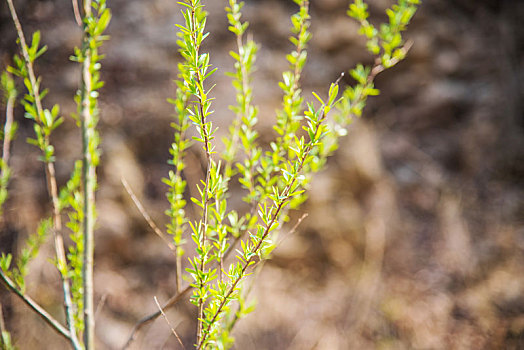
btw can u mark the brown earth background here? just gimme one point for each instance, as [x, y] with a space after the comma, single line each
[415, 235]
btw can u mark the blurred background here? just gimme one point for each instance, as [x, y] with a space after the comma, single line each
[414, 237]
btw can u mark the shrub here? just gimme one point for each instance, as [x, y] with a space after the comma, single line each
[229, 243]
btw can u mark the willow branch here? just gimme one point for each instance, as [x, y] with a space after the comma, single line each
[202, 230]
[51, 184]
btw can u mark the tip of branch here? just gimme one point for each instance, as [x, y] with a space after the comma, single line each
[339, 78]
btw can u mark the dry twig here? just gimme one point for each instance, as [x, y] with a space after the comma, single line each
[169, 323]
[141, 323]
[146, 216]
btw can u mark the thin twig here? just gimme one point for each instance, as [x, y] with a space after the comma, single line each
[145, 215]
[50, 320]
[25, 53]
[2, 324]
[299, 221]
[141, 323]
[8, 132]
[379, 68]
[168, 323]
[100, 305]
[8, 128]
[246, 104]
[76, 11]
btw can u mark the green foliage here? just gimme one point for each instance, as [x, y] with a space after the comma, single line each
[8, 87]
[45, 120]
[95, 21]
[5, 262]
[274, 178]
[211, 189]
[5, 174]
[87, 96]
[71, 201]
[28, 253]
[73, 196]
[177, 185]
[7, 344]
[241, 133]
[386, 41]
[32, 245]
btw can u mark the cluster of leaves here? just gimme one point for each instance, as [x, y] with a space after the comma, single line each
[211, 190]
[385, 41]
[177, 185]
[45, 120]
[29, 252]
[71, 201]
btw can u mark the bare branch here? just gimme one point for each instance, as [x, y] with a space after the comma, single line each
[76, 11]
[145, 215]
[169, 323]
[50, 320]
[141, 323]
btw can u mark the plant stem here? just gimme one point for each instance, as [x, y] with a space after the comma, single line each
[7, 128]
[297, 70]
[146, 216]
[169, 323]
[202, 231]
[76, 11]
[88, 179]
[51, 185]
[50, 320]
[178, 256]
